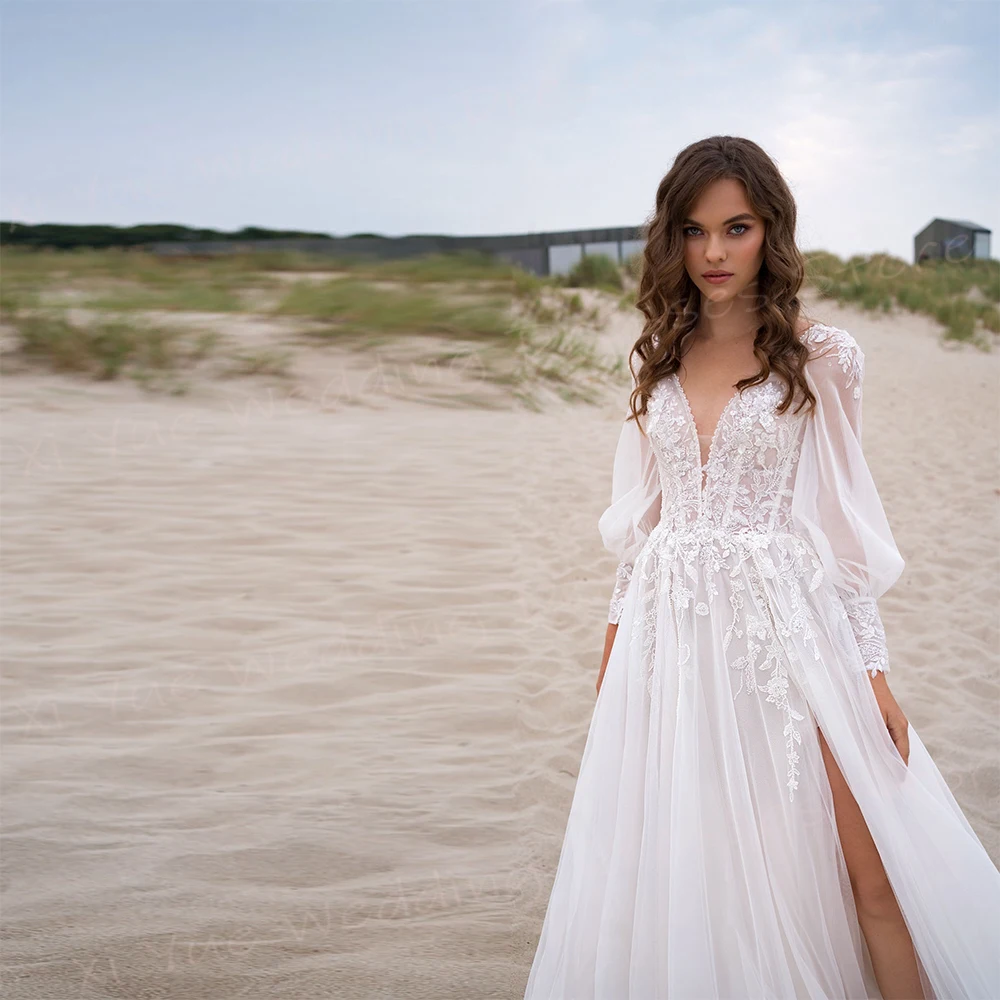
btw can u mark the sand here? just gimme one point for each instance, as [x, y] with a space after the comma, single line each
[295, 689]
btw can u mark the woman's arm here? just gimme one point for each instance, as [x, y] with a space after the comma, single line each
[835, 500]
[634, 509]
[609, 641]
[893, 716]
[627, 522]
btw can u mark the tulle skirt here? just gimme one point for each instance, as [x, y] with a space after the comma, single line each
[701, 857]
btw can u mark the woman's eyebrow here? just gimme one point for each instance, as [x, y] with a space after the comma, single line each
[735, 218]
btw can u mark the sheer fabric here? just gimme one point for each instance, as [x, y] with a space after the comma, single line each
[836, 502]
[635, 506]
[701, 857]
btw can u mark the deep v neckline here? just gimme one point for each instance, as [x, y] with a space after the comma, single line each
[703, 466]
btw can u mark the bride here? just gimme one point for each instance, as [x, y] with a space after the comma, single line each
[754, 817]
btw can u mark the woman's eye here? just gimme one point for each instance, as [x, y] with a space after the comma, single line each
[739, 225]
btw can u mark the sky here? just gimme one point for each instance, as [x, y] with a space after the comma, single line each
[472, 117]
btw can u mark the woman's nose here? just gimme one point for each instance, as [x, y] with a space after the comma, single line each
[715, 251]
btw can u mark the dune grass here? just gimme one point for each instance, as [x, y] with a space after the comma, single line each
[510, 317]
[516, 324]
[596, 271]
[105, 347]
[960, 295]
[356, 306]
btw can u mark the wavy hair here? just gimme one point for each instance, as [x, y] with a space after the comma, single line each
[670, 300]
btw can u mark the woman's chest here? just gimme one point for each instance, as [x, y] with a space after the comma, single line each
[750, 438]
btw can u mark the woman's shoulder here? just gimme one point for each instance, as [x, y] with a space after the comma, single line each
[834, 351]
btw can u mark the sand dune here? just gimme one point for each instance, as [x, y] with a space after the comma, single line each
[295, 689]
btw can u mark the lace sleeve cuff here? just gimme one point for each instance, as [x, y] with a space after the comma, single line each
[622, 578]
[866, 623]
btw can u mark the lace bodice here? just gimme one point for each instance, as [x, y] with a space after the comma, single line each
[738, 484]
[747, 462]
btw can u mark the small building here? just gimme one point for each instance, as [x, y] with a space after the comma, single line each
[951, 239]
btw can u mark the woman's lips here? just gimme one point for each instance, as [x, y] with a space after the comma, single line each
[717, 279]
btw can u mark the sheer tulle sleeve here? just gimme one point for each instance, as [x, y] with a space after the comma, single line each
[635, 507]
[835, 500]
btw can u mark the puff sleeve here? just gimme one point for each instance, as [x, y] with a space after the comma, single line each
[835, 500]
[635, 507]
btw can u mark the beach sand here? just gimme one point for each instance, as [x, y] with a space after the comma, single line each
[295, 688]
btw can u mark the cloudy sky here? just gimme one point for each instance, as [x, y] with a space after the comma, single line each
[492, 116]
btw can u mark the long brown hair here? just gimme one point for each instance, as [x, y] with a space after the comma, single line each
[670, 301]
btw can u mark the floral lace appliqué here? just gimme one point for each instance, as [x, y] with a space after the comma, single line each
[727, 525]
[839, 347]
[866, 624]
[622, 577]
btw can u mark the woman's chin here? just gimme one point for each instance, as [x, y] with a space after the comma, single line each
[719, 293]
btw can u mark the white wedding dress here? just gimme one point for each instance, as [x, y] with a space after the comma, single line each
[701, 858]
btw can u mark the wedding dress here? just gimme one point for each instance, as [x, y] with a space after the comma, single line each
[701, 858]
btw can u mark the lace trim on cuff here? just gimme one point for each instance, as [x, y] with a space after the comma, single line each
[622, 577]
[866, 623]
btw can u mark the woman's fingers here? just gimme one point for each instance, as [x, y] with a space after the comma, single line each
[899, 731]
[904, 744]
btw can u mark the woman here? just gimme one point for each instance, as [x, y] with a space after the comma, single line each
[753, 817]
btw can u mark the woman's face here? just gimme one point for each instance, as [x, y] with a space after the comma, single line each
[723, 233]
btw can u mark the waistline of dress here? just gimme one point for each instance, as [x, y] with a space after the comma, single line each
[704, 533]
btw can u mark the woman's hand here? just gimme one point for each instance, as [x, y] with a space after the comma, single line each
[609, 641]
[892, 714]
